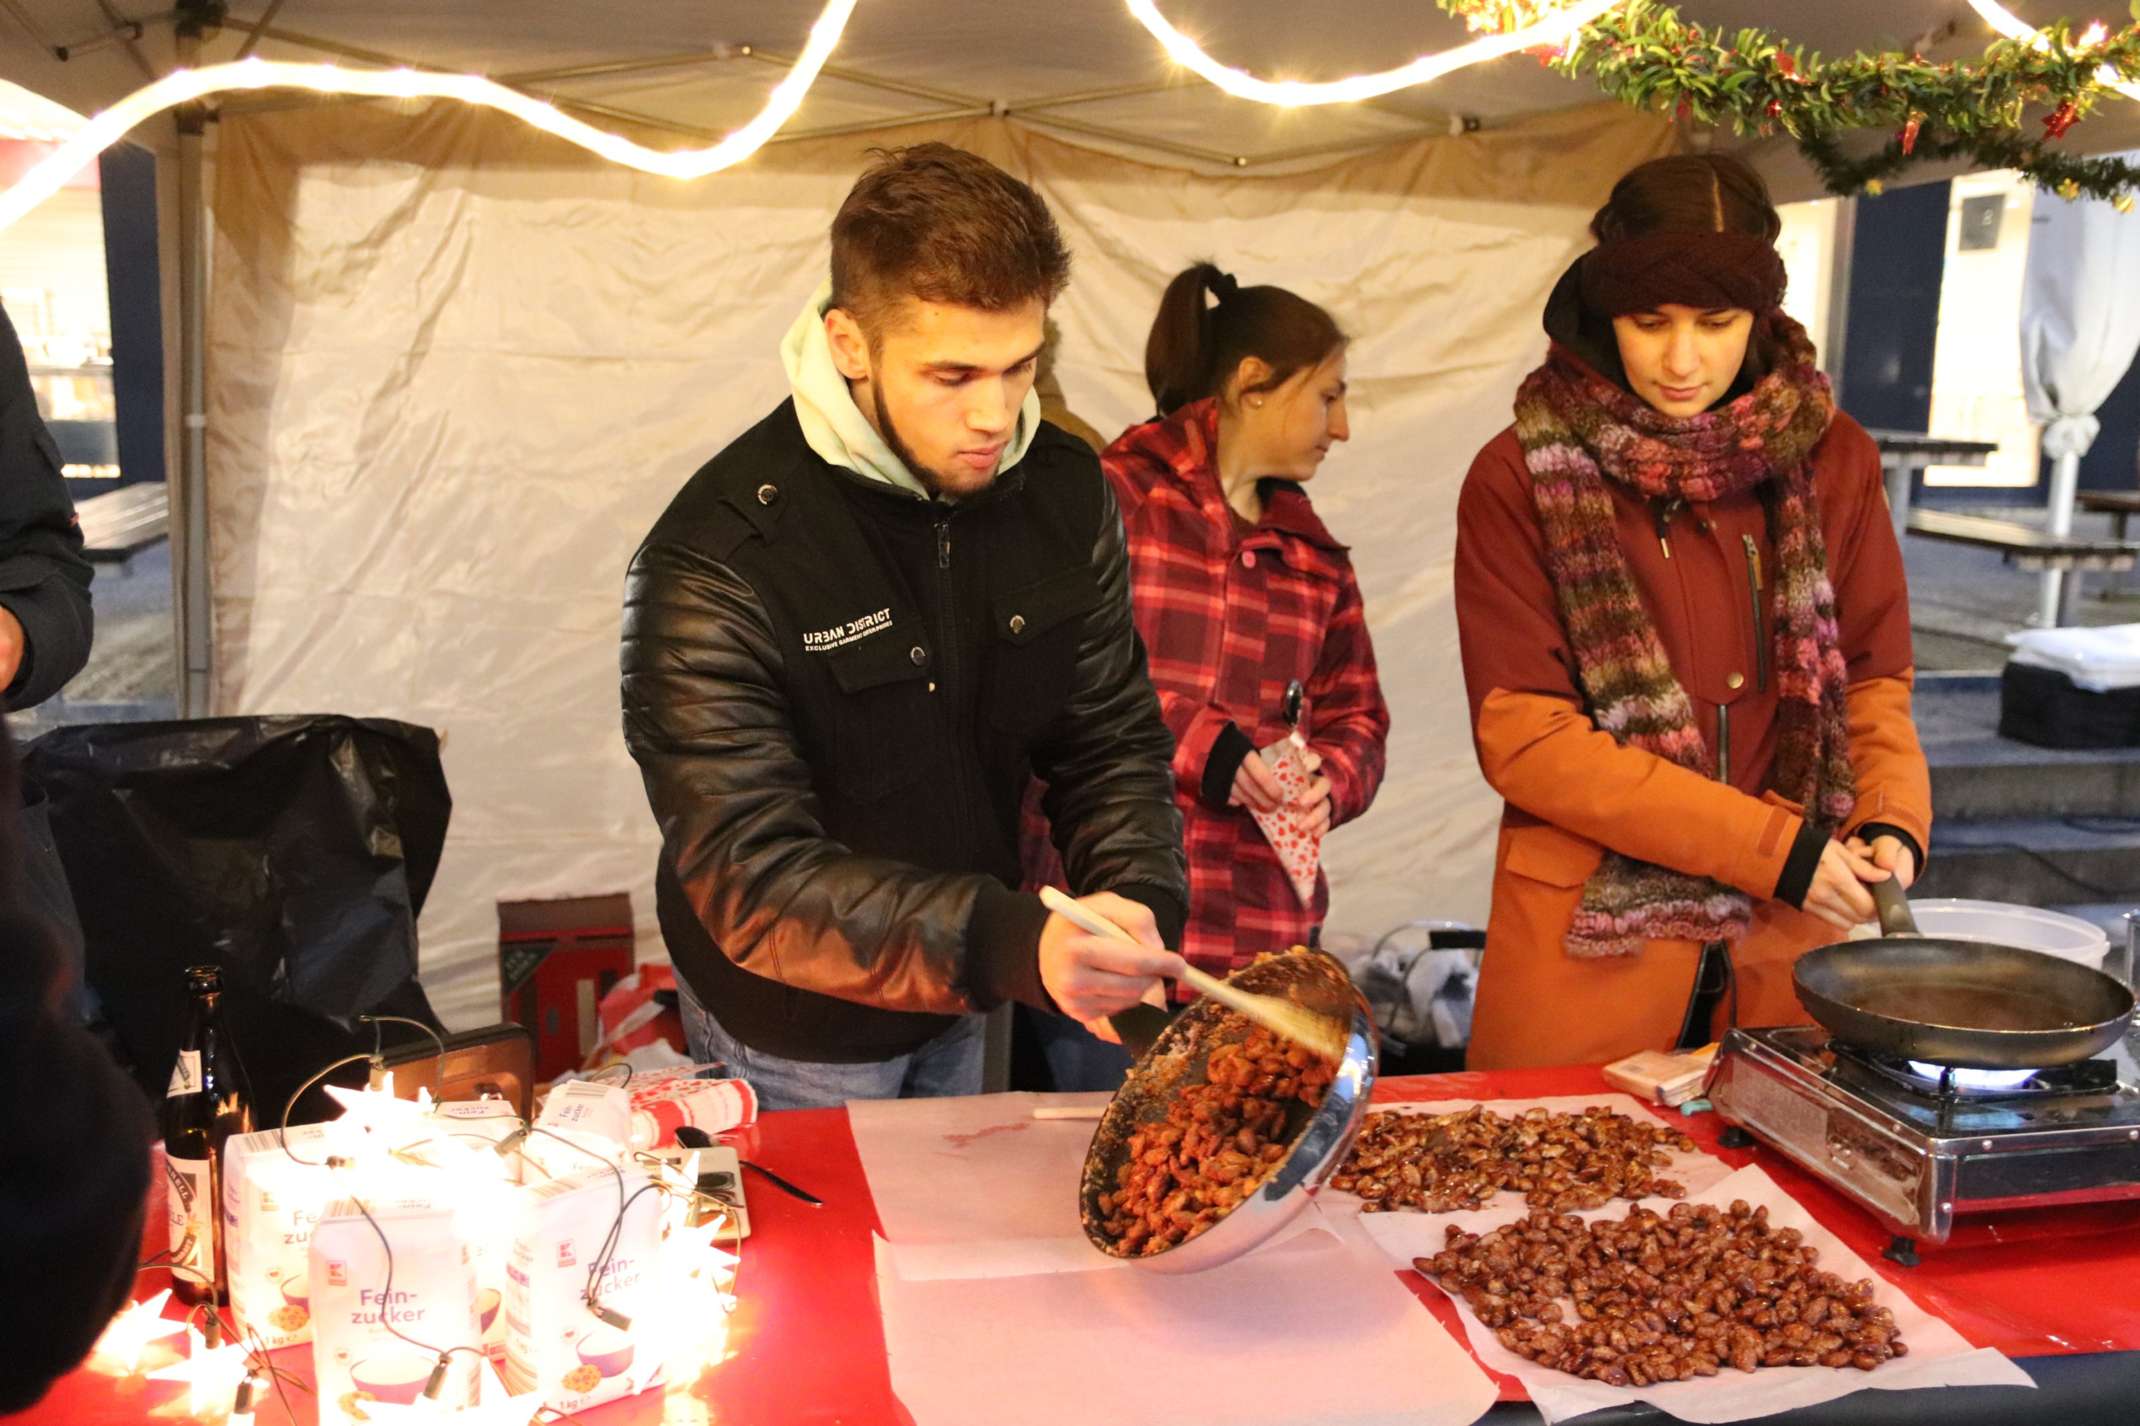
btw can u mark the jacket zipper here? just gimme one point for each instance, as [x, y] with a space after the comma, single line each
[1761, 649]
[947, 630]
[1723, 743]
[947, 642]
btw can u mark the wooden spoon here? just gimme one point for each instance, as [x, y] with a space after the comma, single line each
[1281, 1017]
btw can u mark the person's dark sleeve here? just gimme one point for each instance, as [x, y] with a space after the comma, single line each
[1108, 760]
[44, 581]
[707, 721]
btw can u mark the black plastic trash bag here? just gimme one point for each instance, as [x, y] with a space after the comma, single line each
[294, 851]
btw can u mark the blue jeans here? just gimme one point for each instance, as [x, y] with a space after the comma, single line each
[950, 1064]
[1078, 1060]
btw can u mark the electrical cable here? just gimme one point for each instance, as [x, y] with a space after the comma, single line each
[616, 1227]
[290, 1105]
[438, 1071]
[386, 1320]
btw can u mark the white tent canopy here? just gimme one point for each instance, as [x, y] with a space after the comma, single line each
[453, 368]
[1083, 68]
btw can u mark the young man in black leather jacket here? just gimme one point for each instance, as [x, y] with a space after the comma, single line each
[852, 638]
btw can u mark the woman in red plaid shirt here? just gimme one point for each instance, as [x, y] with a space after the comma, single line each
[1239, 591]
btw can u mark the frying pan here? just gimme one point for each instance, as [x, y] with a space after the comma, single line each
[1968, 1004]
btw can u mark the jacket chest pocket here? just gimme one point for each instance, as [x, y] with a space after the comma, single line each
[1033, 649]
[884, 714]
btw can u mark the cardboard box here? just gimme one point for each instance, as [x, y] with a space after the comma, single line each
[556, 960]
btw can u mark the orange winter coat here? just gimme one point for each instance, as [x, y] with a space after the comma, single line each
[1571, 791]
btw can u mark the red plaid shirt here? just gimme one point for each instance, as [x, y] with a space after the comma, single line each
[1229, 618]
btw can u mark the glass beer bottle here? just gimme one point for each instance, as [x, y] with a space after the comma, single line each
[208, 1101]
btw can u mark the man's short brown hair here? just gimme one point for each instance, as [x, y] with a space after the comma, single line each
[943, 225]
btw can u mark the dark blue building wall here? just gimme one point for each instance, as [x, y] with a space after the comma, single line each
[127, 176]
[1898, 250]
[2113, 462]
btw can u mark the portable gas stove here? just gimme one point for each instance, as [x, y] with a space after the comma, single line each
[1919, 1143]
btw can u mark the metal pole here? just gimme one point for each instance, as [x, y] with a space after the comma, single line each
[2058, 520]
[196, 632]
[259, 29]
[1835, 341]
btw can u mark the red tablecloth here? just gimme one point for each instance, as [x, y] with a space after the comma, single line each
[805, 1345]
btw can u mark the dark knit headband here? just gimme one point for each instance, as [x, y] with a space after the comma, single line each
[1690, 268]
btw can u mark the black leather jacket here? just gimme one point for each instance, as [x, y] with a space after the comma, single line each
[837, 693]
[44, 581]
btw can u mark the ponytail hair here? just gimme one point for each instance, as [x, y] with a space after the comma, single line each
[1196, 345]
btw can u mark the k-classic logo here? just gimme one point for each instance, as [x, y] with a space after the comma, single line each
[840, 636]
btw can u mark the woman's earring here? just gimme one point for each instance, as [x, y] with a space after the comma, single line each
[1256, 401]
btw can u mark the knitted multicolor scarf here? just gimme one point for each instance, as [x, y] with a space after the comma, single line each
[1579, 431]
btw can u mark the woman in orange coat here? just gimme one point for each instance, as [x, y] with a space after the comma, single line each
[1686, 642]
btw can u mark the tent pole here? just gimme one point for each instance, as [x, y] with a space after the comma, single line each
[196, 633]
[2058, 520]
[1843, 237]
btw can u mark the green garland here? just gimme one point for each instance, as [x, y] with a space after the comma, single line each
[1644, 54]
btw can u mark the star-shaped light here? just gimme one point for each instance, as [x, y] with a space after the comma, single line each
[495, 1406]
[211, 1374]
[131, 1331]
[692, 1260]
[692, 1274]
[678, 1184]
[376, 1112]
[683, 1340]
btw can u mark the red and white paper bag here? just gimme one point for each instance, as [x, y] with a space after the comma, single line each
[1300, 851]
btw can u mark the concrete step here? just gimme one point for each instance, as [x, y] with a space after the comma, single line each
[2036, 861]
[1978, 775]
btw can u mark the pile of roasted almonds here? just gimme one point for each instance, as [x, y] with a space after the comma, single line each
[1219, 1140]
[1438, 1163]
[1663, 1298]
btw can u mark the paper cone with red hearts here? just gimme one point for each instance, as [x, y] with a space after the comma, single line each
[1300, 851]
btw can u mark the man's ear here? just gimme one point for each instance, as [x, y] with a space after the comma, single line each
[850, 346]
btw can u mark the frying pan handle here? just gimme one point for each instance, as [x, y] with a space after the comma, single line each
[1894, 907]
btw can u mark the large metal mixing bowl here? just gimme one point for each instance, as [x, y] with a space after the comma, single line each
[1318, 1139]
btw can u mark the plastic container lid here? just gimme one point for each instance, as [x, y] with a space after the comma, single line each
[2055, 934]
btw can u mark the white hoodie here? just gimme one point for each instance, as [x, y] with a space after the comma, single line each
[836, 428]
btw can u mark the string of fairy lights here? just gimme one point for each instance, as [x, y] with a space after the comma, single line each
[2007, 23]
[1501, 28]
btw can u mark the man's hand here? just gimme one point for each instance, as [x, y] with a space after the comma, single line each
[1838, 895]
[1092, 977]
[13, 645]
[1255, 786]
[1892, 855]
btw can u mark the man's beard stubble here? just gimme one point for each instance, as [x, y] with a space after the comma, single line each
[930, 480]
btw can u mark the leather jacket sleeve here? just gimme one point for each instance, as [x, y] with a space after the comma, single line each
[1107, 762]
[706, 717]
[44, 580]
